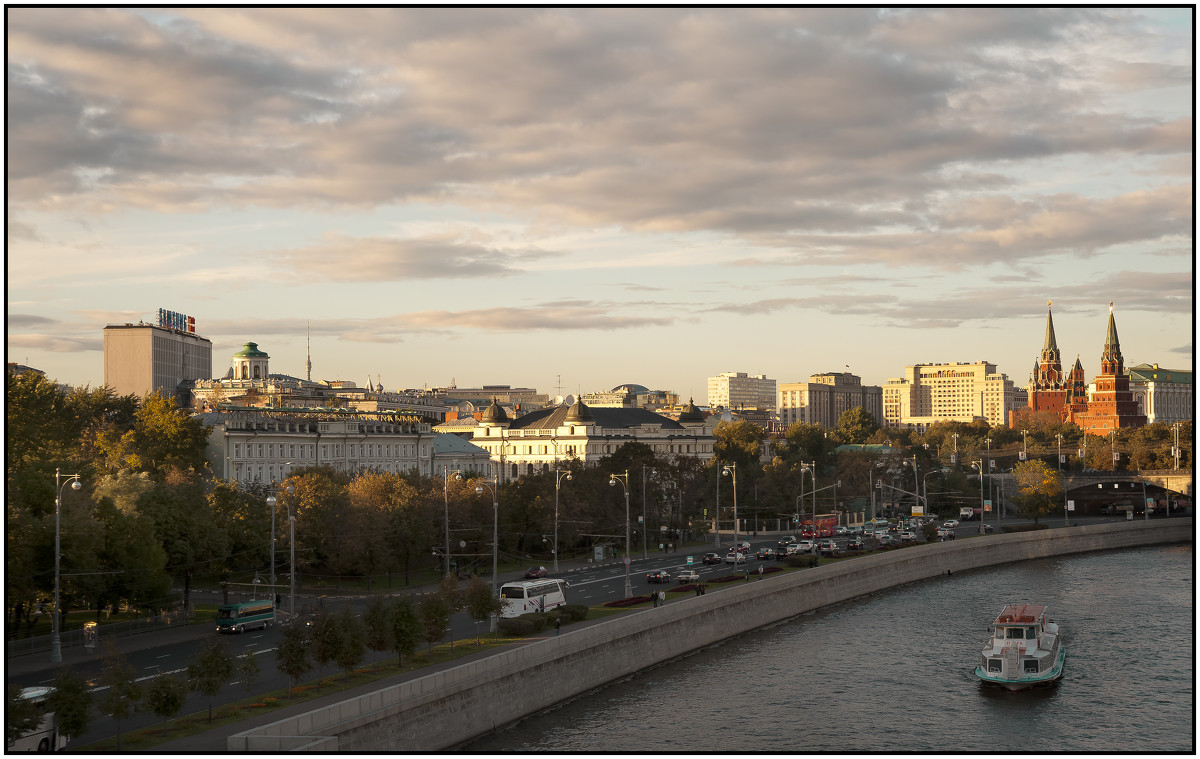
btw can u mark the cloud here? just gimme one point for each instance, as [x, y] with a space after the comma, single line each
[27, 321]
[779, 126]
[342, 258]
[56, 343]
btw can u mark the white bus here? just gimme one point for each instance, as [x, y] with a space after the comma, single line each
[532, 596]
[44, 737]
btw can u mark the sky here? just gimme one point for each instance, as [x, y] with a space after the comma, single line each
[574, 199]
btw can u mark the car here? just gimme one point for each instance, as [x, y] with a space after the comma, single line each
[805, 546]
[985, 528]
[886, 540]
[841, 530]
[951, 523]
[785, 541]
[765, 553]
[687, 575]
[658, 575]
[854, 544]
[908, 537]
[735, 558]
[534, 573]
[743, 547]
[710, 558]
[945, 533]
[880, 534]
[827, 547]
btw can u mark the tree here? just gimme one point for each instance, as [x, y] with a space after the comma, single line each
[856, 425]
[377, 621]
[436, 609]
[163, 437]
[351, 640]
[121, 689]
[247, 671]
[406, 627]
[184, 525]
[481, 603]
[210, 670]
[1039, 489]
[21, 715]
[165, 696]
[291, 656]
[738, 443]
[71, 702]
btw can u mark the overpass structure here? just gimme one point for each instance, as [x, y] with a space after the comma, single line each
[1098, 492]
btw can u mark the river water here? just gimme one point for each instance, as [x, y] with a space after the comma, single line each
[894, 672]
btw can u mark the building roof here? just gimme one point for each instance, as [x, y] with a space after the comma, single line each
[607, 418]
[250, 350]
[881, 449]
[1153, 373]
[446, 443]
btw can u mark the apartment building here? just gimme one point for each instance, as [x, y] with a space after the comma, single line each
[742, 390]
[825, 397]
[146, 358]
[929, 393]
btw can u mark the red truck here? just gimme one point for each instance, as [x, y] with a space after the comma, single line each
[826, 526]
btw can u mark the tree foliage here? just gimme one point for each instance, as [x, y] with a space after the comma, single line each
[480, 602]
[377, 622]
[121, 692]
[291, 656]
[1039, 489]
[21, 715]
[406, 627]
[71, 702]
[856, 425]
[210, 670]
[165, 696]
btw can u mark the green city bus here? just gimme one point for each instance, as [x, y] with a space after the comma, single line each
[245, 616]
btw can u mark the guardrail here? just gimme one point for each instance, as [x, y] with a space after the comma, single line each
[68, 638]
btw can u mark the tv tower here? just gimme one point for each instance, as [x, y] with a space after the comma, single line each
[308, 350]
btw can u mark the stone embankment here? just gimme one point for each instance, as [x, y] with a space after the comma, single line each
[449, 708]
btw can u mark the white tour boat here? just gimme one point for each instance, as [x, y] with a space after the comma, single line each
[1025, 649]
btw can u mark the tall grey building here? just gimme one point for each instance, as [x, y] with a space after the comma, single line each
[143, 358]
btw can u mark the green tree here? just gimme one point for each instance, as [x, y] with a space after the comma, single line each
[436, 609]
[21, 715]
[210, 670]
[377, 621]
[291, 656]
[351, 640]
[406, 627]
[856, 425]
[480, 602]
[738, 443]
[184, 525]
[165, 696]
[1039, 489]
[324, 638]
[163, 437]
[247, 671]
[71, 702]
[121, 692]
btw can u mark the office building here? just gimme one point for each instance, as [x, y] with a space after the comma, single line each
[825, 397]
[929, 393]
[146, 358]
[741, 390]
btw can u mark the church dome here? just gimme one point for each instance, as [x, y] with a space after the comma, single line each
[631, 389]
[494, 414]
[579, 413]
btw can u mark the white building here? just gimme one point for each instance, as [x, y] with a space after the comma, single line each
[825, 397]
[929, 393]
[263, 445]
[536, 441]
[741, 390]
[1162, 395]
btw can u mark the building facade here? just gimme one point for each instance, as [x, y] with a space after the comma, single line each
[930, 393]
[248, 445]
[825, 397]
[1111, 404]
[143, 358]
[741, 390]
[537, 441]
[1162, 395]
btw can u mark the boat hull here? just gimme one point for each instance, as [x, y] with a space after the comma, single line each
[1048, 677]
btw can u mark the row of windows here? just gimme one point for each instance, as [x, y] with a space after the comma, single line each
[308, 450]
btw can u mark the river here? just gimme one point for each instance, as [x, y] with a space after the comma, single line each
[894, 672]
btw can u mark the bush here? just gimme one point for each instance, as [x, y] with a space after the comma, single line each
[518, 625]
[573, 612]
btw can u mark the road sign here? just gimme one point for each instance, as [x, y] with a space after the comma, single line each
[987, 505]
[689, 561]
[626, 561]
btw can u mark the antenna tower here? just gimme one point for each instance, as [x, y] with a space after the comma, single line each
[308, 350]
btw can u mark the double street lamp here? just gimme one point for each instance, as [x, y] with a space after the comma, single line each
[59, 484]
[495, 523]
[271, 502]
[446, 513]
[732, 468]
[558, 478]
[613, 479]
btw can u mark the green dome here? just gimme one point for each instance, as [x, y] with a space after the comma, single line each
[250, 350]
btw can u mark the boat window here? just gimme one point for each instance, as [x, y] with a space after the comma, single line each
[1031, 665]
[995, 665]
[1030, 633]
[1016, 633]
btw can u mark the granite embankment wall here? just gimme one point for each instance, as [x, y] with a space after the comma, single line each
[446, 709]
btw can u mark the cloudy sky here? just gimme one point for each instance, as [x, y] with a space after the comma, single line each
[582, 198]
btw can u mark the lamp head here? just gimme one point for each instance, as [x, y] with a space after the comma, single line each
[479, 490]
[458, 476]
[568, 476]
[76, 485]
[271, 501]
[725, 471]
[612, 481]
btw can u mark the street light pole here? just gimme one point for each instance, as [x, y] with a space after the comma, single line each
[495, 524]
[725, 472]
[645, 525]
[55, 640]
[446, 512]
[613, 479]
[558, 478]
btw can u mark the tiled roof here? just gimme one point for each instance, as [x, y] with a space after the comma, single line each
[607, 418]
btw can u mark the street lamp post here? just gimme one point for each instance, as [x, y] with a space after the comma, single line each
[558, 478]
[725, 472]
[446, 512]
[495, 524]
[645, 524]
[59, 484]
[613, 479]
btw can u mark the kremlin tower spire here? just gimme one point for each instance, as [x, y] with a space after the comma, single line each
[1050, 373]
[1111, 361]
